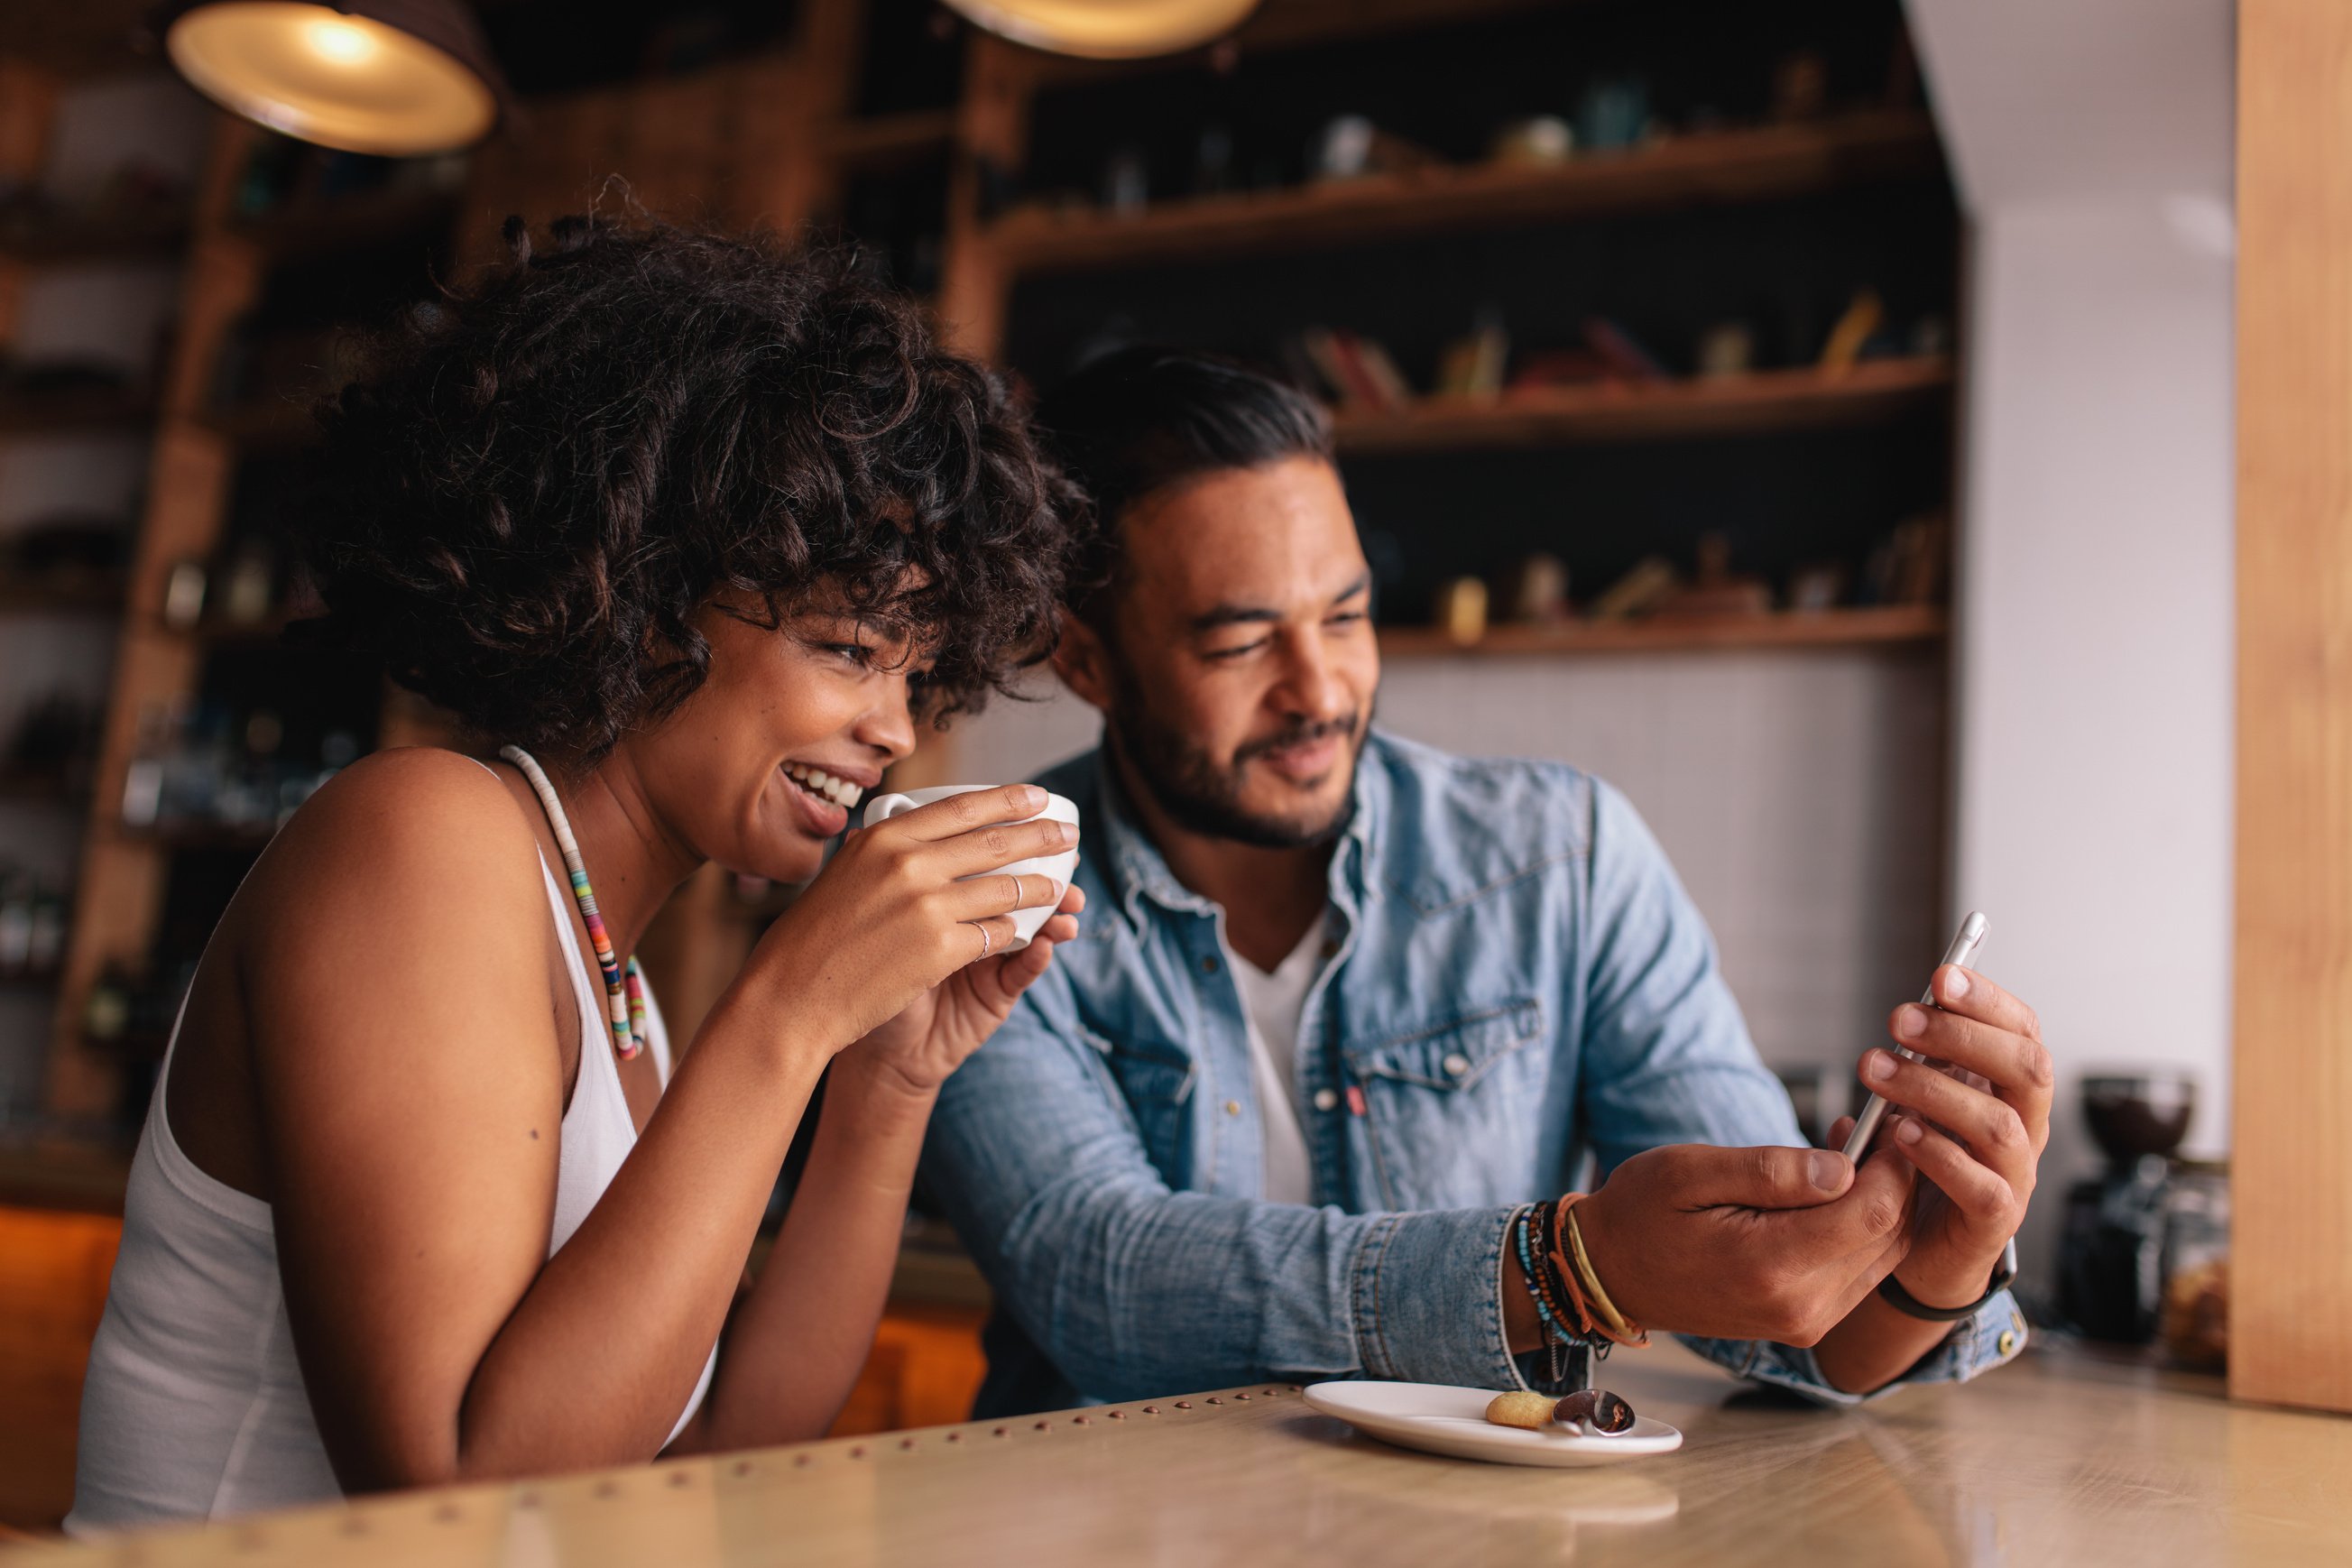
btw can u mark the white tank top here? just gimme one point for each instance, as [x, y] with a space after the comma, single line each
[194, 1405]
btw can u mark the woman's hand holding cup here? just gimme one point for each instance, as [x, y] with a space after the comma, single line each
[909, 941]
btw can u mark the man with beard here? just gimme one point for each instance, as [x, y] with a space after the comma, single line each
[1348, 1013]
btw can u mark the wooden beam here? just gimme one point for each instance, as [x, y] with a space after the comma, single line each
[2291, 1292]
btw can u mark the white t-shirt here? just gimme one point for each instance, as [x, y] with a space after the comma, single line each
[1270, 1005]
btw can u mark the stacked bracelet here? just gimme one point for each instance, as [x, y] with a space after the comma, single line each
[1548, 1312]
[1569, 1299]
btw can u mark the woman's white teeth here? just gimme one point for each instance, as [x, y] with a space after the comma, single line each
[816, 781]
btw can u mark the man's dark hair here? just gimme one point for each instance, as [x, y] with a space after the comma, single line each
[1140, 419]
[548, 472]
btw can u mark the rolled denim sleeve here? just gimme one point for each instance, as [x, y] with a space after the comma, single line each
[1995, 1335]
[1667, 1059]
[1136, 1290]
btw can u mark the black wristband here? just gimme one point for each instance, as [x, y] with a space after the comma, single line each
[1902, 1300]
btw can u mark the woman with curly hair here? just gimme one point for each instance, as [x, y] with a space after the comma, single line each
[694, 536]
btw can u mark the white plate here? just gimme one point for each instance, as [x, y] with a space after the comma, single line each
[1439, 1419]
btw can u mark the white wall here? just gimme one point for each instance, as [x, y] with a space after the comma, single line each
[2093, 139]
[2096, 637]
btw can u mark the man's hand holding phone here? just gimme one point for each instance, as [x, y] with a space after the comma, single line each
[1747, 1244]
[1979, 1147]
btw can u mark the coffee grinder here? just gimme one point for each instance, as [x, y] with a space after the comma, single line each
[2111, 1266]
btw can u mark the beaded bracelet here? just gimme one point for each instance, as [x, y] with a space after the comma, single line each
[1537, 1286]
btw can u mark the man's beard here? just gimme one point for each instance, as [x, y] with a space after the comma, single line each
[1203, 797]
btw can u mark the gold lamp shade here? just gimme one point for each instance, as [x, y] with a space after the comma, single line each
[1107, 30]
[395, 78]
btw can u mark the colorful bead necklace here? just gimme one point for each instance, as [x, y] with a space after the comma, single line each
[624, 991]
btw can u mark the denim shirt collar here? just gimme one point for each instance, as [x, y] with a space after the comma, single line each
[1139, 871]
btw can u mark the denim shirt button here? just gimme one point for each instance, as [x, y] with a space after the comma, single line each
[1327, 1100]
[1209, 965]
[1456, 1065]
[1233, 1108]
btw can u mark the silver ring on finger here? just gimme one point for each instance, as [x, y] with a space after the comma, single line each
[987, 938]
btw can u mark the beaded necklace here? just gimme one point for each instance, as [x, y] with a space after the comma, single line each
[624, 991]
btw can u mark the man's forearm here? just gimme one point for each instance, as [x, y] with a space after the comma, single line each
[1874, 1345]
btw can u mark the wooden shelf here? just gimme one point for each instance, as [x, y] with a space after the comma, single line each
[174, 836]
[1892, 624]
[300, 230]
[265, 426]
[887, 141]
[1291, 25]
[1771, 401]
[51, 790]
[267, 632]
[1756, 163]
[41, 413]
[76, 597]
[76, 238]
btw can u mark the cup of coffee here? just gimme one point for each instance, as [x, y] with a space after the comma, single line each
[1058, 867]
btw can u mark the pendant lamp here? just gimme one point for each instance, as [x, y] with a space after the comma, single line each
[395, 78]
[1107, 30]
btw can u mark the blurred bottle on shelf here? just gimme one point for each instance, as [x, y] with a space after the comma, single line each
[54, 745]
[183, 595]
[249, 588]
[32, 925]
[200, 766]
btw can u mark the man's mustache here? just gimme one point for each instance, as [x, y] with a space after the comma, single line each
[1298, 735]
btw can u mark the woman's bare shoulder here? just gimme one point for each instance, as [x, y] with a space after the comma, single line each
[415, 820]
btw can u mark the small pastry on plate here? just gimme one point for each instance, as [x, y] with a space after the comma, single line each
[1522, 1408]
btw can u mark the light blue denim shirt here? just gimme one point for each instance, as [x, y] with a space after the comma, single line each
[1514, 978]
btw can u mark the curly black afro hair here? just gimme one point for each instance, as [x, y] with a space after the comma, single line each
[546, 473]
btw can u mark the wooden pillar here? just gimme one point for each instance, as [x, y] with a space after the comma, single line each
[120, 891]
[992, 125]
[2291, 1306]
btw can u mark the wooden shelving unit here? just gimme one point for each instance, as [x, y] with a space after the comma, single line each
[79, 410]
[80, 596]
[884, 140]
[778, 140]
[264, 425]
[1760, 402]
[1768, 163]
[72, 238]
[1888, 626]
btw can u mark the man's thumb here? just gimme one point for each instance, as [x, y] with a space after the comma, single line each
[1770, 1178]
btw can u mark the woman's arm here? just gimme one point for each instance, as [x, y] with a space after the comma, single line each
[411, 1104]
[796, 1345]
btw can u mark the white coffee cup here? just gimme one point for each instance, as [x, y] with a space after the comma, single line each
[1059, 808]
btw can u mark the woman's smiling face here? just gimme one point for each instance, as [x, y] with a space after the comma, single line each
[789, 731]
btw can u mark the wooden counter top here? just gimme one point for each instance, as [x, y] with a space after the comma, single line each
[2058, 1459]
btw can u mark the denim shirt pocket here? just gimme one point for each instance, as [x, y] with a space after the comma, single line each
[1444, 1106]
[1156, 1079]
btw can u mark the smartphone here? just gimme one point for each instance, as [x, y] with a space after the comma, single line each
[1964, 948]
